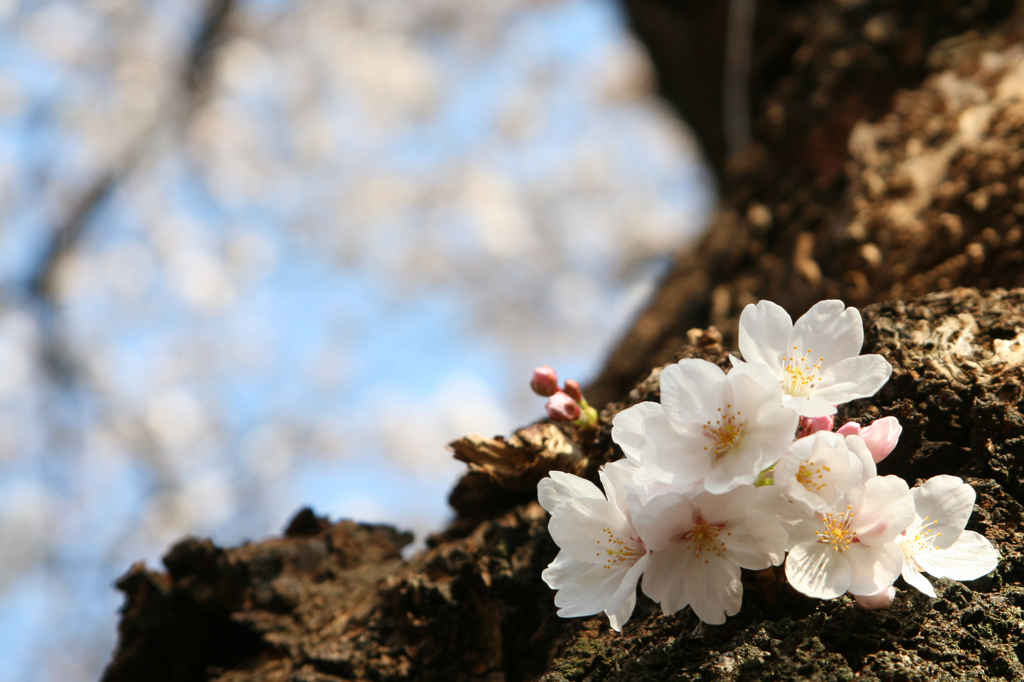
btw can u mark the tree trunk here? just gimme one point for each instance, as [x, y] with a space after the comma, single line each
[884, 169]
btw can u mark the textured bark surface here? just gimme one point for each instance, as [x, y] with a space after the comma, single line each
[886, 169]
[335, 602]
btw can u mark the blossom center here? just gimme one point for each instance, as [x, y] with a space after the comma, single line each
[802, 373]
[725, 433]
[703, 539]
[837, 530]
[810, 477]
[924, 538]
[615, 550]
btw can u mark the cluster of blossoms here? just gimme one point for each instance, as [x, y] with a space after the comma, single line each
[743, 470]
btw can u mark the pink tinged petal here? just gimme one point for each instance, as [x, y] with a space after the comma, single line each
[628, 429]
[687, 388]
[591, 530]
[849, 429]
[559, 487]
[947, 501]
[765, 329]
[675, 458]
[881, 437]
[970, 557]
[873, 602]
[664, 520]
[818, 570]
[831, 331]
[712, 587]
[853, 378]
[874, 568]
[915, 579]
[619, 618]
[810, 406]
[754, 541]
[884, 511]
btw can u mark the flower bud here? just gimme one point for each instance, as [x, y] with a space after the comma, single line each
[849, 429]
[562, 408]
[809, 425]
[572, 388]
[871, 602]
[544, 382]
[881, 437]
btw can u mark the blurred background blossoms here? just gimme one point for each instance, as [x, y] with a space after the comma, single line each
[267, 253]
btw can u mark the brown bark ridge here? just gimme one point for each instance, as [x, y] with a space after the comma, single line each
[885, 170]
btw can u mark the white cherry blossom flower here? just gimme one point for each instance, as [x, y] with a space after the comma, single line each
[819, 469]
[712, 427]
[602, 555]
[699, 543]
[851, 545]
[817, 360]
[936, 541]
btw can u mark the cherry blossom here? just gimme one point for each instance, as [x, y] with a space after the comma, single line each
[711, 427]
[699, 544]
[602, 555]
[817, 361]
[819, 469]
[936, 541]
[851, 545]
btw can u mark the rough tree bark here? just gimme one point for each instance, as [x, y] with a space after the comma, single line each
[885, 170]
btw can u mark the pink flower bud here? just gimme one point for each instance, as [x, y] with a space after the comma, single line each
[871, 602]
[544, 382]
[849, 429]
[562, 408]
[881, 437]
[572, 388]
[815, 424]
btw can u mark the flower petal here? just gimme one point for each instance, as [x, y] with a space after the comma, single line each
[885, 510]
[874, 568]
[688, 387]
[559, 487]
[619, 618]
[754, 541]
[628, 428]
[588, 593]
[765, 329]
[970, 557]
[712, 586]
[853, 378]
[587, 529]
[809, 406]
[817, 570]
[915, 579]
[665, 519]
[675, 458]
[664, 579]
[944, 501]
[831, 331]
